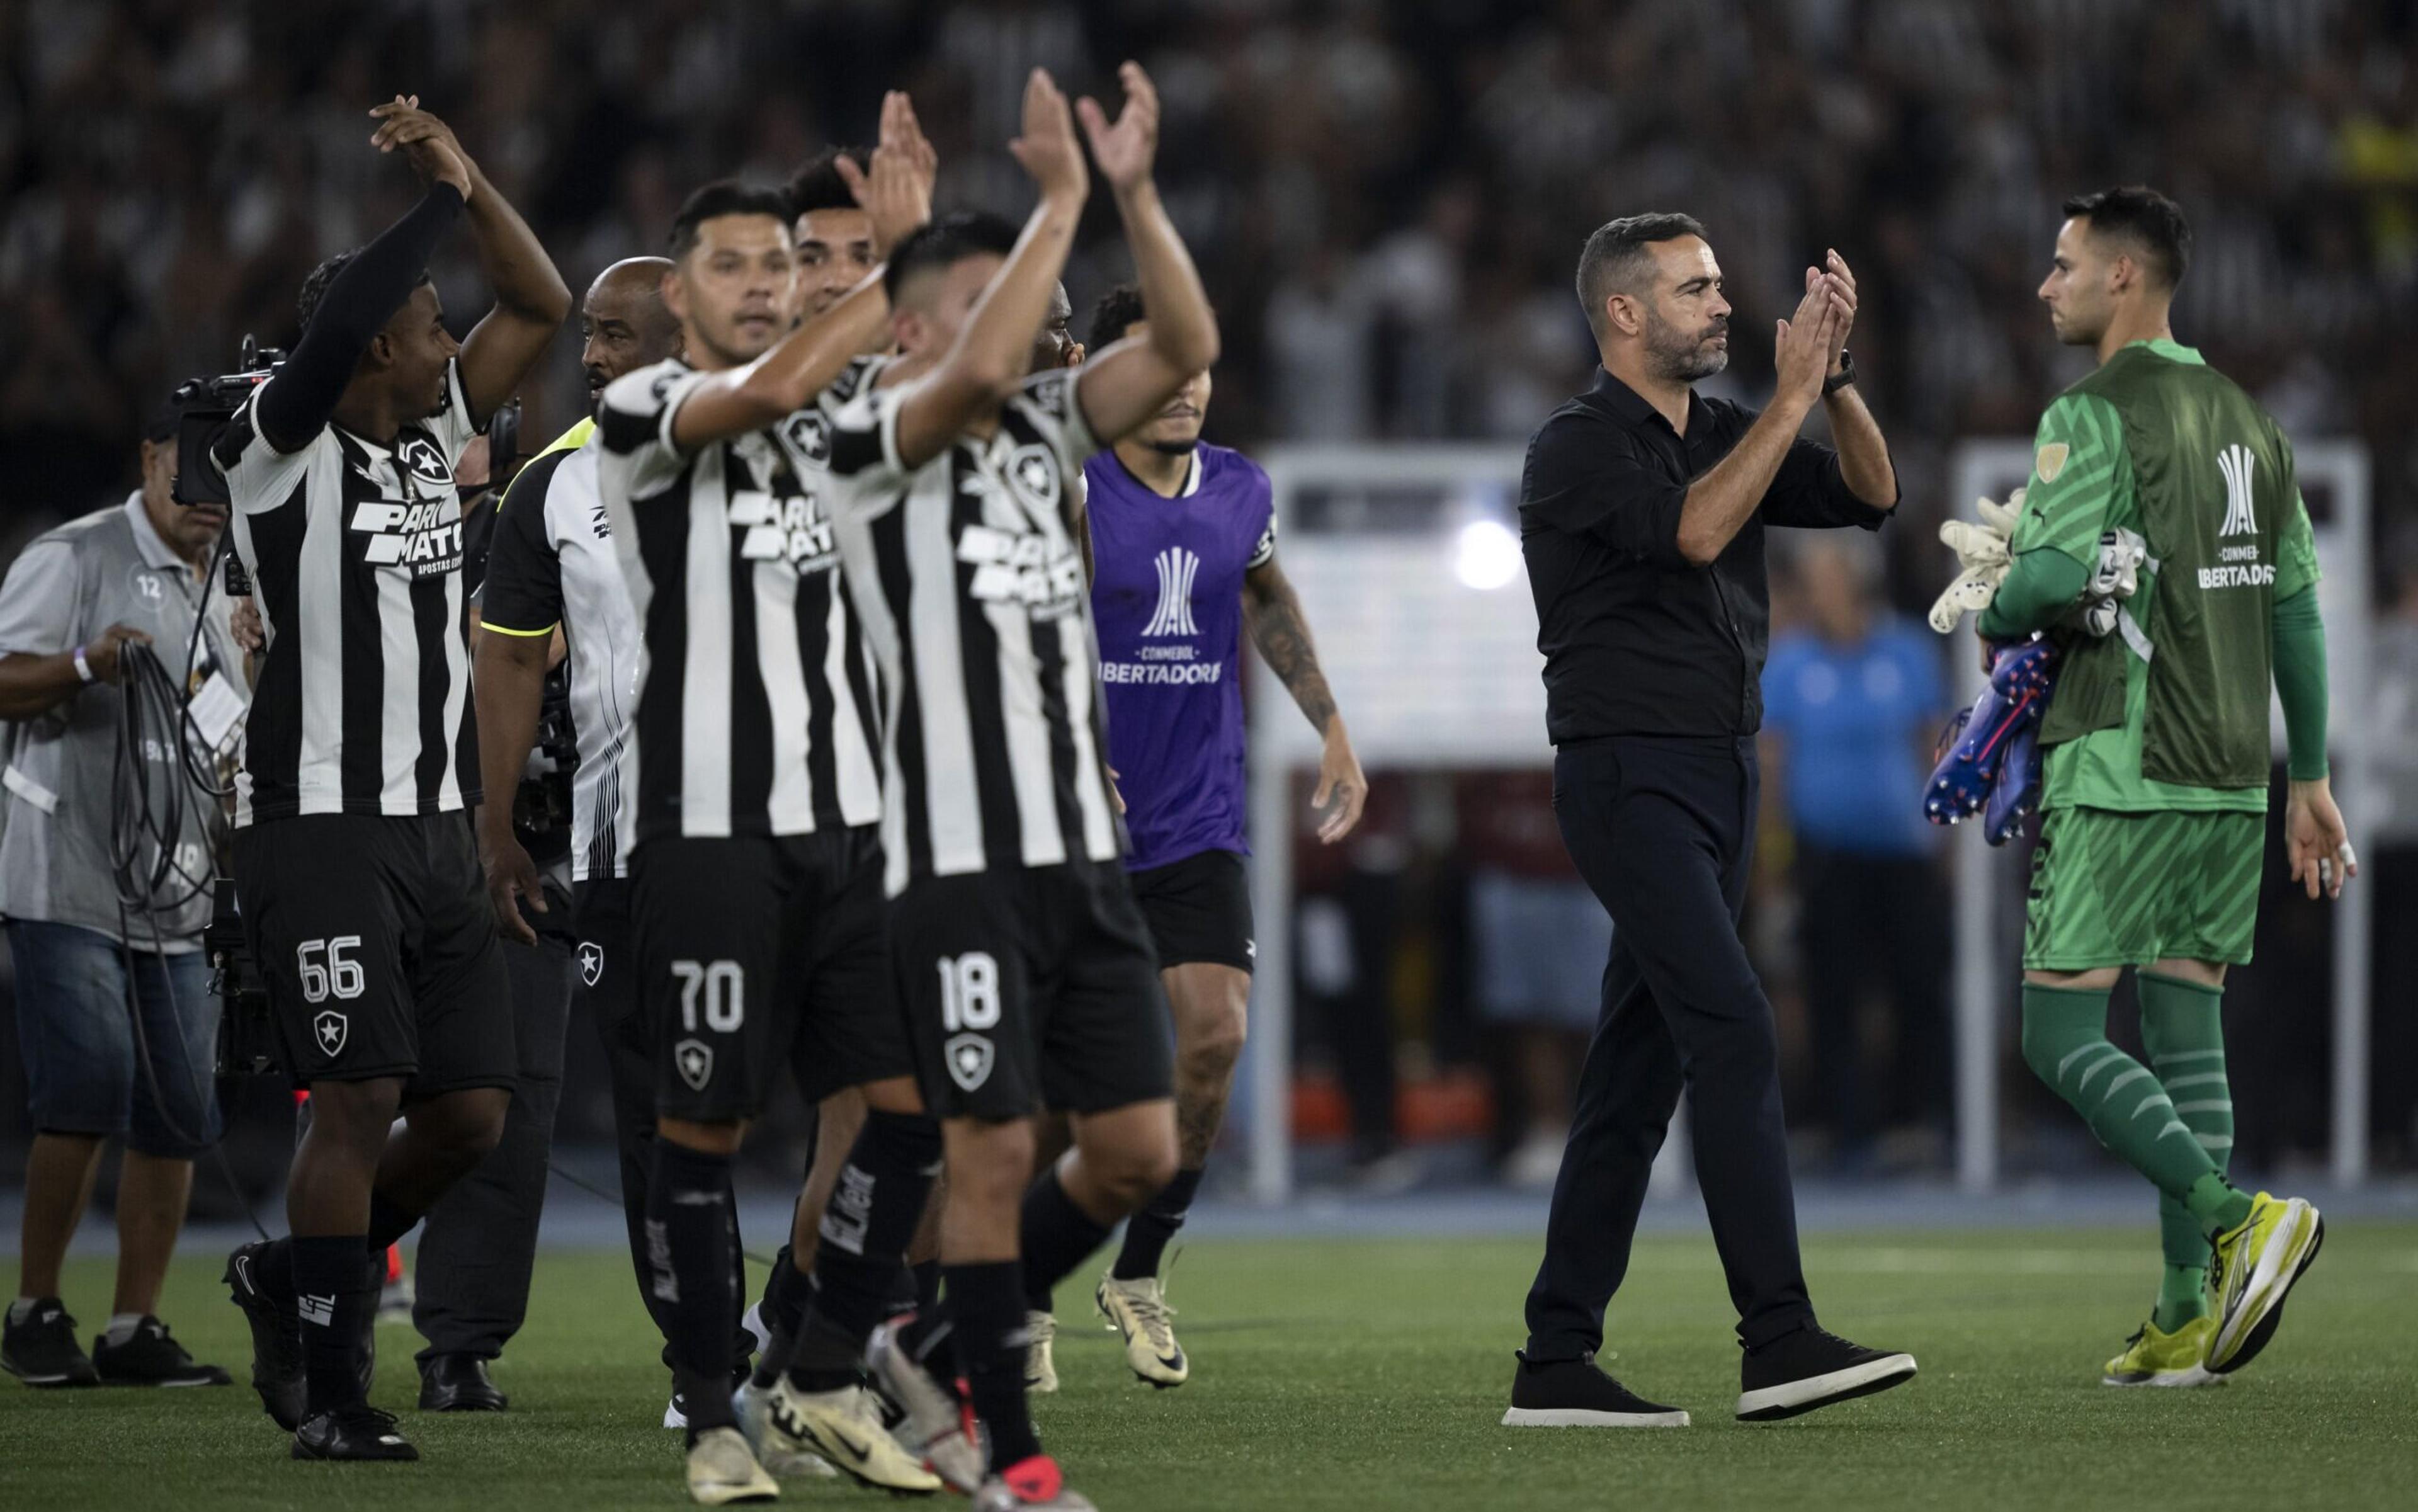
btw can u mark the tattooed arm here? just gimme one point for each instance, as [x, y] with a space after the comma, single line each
[1273, 612]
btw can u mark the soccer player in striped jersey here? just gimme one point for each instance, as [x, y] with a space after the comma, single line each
[756, 865]
[1024, 963]
[353, 857]
[1184, 536]
[2156, 744]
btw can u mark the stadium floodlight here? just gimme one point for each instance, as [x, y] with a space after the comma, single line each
[1486, 555]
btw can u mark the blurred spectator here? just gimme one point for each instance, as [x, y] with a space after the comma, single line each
[1347, 920]
[1388, 198]
[2392, 868]
[1540, 939]
[1851, 702]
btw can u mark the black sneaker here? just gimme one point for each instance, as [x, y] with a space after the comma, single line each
[41, 1350]
[276, 1338]
[1574, 1394]
[354, 1432]
[150, 1358]
[1809, 1368]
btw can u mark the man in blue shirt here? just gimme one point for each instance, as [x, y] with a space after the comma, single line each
[1852, 699]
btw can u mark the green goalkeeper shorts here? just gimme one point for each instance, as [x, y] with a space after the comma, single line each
[2116, 888]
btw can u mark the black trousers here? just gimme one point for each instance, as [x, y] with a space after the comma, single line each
[1662, 828]
[479, 1242]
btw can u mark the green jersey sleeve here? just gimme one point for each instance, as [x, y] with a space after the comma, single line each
[2081, 472]
[2296, 566]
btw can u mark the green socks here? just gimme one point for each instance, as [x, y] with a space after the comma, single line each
[2066, 1044]
[2183, 1292]
[2183, 1029]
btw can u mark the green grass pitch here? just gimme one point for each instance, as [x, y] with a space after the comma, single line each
[1370, 1374]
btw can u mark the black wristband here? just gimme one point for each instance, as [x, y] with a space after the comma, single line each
[1846, 375]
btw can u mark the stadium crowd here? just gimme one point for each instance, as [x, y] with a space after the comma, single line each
[1388, 198]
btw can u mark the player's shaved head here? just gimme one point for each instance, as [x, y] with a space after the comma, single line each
[625, 324]
[640, 278]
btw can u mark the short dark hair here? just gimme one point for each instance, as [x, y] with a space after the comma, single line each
[944, 242]
[315, 288]
[724, 196]
[1612, 255]
[818, 186]
[1117, 313]
[2142, 215]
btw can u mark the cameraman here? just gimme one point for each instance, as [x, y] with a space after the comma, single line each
[353, 855]
[91, 960]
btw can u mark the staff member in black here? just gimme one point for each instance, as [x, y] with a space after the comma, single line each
[1641, 513]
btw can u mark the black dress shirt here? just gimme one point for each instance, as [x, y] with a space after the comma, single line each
[1638, 640]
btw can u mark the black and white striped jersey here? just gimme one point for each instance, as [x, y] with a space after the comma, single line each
[355, 551]
[552, 563]
[755, 711]
[969, 576]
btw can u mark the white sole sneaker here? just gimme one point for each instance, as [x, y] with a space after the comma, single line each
[1585, 1417]
[1791, 1398]
[722, 1470]
[2250, 1319]
[2196, 1376]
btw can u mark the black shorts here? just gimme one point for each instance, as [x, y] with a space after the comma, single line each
[1031, 988]
[379, 948]
[605, 957]
[754, 951]
[1199, 909]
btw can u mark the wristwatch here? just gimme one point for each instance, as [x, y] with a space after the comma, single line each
[1846, 375]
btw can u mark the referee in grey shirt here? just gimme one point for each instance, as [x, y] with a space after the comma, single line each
[88, 963]
[1642, 512]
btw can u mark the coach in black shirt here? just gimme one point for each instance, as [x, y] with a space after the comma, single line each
[1641, 513]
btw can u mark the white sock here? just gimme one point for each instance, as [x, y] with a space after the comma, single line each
[21, 1308]
[121, 1327]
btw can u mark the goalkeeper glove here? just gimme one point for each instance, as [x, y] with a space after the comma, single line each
[1983, 549]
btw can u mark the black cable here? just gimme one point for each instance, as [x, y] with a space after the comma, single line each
[150, 702]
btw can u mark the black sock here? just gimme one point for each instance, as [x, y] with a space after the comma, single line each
[1148, 1232]
[927, 1287]
[872, 1213]
[783, 1311]
[1057, 1237]
[272, 1271]
[688, 1250]
[931, 1339]
[336, 1292]
[388, 1223]
[987, 1301]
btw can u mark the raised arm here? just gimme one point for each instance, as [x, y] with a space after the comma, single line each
[295, 405]
[1128, 382]
[1863, 453]
[987, 365]
[531, 300]
[897, 192]
[1272, 611]
[1719, 503]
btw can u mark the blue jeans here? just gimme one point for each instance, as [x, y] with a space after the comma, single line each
[85, 1069]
